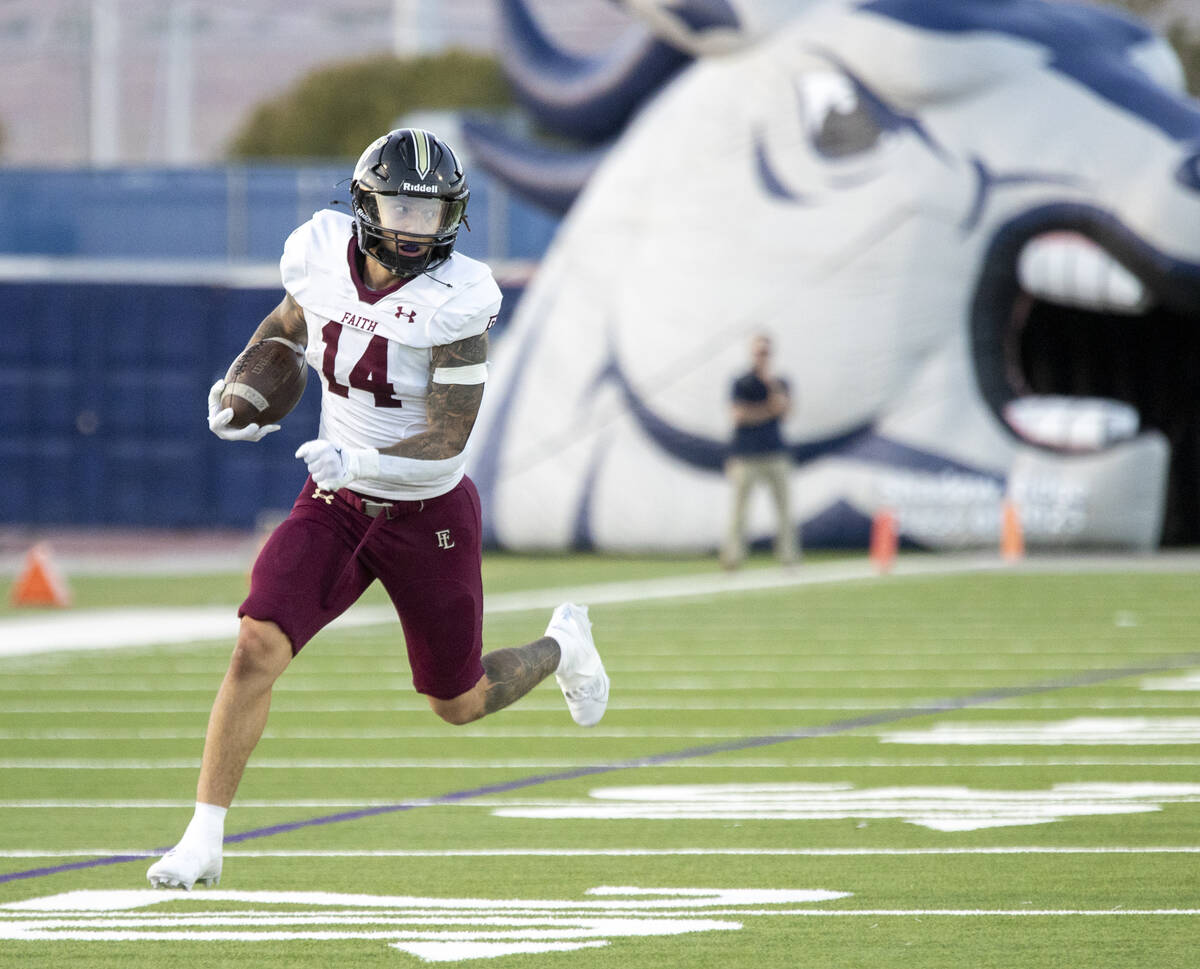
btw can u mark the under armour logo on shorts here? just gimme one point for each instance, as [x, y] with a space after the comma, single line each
[443, 538]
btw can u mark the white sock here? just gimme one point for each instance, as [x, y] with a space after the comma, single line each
[207, 825]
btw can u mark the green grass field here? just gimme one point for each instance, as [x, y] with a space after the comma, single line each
[993, 768]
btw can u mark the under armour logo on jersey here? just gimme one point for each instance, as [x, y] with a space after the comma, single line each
[410, 315]
[443, 538]
[325, 496]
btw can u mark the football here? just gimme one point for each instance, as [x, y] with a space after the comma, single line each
[265, 382]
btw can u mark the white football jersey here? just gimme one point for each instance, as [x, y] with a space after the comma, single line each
[372, 348]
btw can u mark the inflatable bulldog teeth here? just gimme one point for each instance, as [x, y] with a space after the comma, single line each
[971, 226]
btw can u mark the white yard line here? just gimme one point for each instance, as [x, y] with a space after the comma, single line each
[637, 732]
[416, 763]
[286, 705]
[716, 761]
[299, 683]
[117, 628]
[621, 852]
[983, 912]
[370, 733]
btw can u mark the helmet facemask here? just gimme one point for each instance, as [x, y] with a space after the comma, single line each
[407, 234]
[408, 196]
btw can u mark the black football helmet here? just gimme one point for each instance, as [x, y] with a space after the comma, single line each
[409, 196]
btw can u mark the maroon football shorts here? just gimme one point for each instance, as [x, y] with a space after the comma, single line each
[428, 557]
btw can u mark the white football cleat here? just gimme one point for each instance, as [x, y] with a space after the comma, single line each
[580, 672]
[186, 865]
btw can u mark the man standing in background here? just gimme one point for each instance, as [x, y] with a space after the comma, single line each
[760, 401]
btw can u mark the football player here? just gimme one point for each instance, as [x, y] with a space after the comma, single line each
[395, 322]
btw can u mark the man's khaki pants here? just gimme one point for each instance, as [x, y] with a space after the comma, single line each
[744, 473]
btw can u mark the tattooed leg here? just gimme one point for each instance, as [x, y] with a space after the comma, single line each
[513, 672]
[508, 674]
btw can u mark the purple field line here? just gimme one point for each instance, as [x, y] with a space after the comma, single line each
[653, 760]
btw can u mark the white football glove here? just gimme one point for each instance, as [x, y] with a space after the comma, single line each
[218, 420]
[333, 467]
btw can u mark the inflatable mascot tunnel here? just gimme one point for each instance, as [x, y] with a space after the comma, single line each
[972, 228]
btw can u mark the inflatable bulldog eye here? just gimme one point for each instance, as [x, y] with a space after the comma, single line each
[839, 121]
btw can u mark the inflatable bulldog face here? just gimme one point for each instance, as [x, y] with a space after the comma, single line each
[972, 228]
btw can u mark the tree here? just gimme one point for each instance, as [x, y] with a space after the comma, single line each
[335, 111]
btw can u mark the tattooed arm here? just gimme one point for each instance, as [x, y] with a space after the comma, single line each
[451, 409]
[286, 320]
[450, 412]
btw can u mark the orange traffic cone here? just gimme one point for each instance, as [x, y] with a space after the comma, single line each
[40, 583]
[884, 539]
[1012, 536]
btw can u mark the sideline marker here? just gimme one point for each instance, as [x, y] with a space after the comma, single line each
[1012, 536]
[884, 539]
[40, 583]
